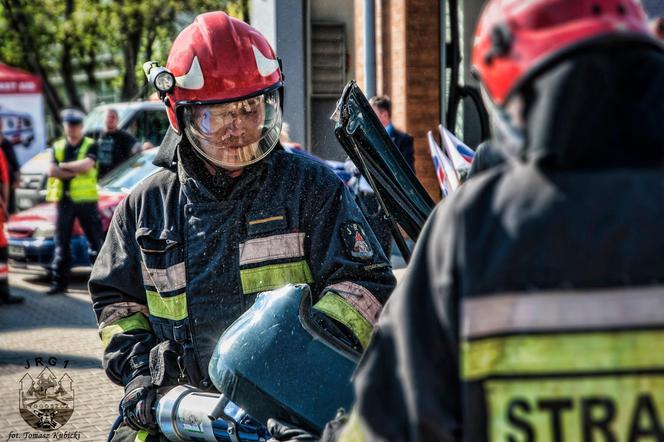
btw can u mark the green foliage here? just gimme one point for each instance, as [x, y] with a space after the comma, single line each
[40, 35]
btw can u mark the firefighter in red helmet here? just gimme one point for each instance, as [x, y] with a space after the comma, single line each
[230, 215]
[531, 309]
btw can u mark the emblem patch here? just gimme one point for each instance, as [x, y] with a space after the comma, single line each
[356, 242]
[45, 402]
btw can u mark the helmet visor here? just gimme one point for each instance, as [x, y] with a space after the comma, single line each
[235, 134]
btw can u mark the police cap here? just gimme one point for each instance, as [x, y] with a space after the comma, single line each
[72, 116]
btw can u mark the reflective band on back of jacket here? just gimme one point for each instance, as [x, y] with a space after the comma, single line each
[568, 366]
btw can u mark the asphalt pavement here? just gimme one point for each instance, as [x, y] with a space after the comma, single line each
[55, 330]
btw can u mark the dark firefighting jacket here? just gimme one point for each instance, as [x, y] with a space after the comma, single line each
[180, 263]
[533, 307]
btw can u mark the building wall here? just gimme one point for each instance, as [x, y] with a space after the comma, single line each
[408, 70]
[337, 11]
[322, 140]
[283, 23]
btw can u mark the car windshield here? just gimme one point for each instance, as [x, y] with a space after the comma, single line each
[128, 174]
[94, 121]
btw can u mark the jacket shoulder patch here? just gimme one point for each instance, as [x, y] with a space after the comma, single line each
[355, 241]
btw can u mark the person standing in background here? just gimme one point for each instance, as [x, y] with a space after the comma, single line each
[72, 184]
[382, 106]
[13, 169]
[5, 182]
[114, 145]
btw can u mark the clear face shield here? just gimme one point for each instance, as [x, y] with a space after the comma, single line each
[507, 131]
[236, 134]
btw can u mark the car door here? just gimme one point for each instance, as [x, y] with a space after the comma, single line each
[379, 160]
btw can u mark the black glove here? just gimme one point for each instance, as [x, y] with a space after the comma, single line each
[136, 405]
[283, 432]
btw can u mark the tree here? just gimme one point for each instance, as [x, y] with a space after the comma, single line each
[22, 40]
[55, 37]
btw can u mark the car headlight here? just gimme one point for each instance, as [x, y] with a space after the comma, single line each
[44, 232]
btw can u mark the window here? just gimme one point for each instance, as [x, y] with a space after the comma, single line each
[151, 126]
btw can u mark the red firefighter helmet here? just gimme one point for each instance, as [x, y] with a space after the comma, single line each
[517, 40]
[219, 59]
[222, 88]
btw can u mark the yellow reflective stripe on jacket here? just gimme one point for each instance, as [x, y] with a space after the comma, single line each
[563, 353]
[133, 322]
[142, 436]
[338, 308]
[352, 430]
[626, 407]
[83, 187]
[360, 298]
[54, 190]
[172, 307]
[274, 276]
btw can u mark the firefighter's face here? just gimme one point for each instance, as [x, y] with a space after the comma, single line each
[230, 133]
[232, 125]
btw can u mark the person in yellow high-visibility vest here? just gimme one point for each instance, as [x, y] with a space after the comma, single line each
[72, 185]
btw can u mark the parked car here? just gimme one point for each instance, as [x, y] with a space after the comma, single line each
[17, 127]
[145, 120]
[31, 232]
[32, 186]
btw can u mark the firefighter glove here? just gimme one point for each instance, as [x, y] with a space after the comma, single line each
[136, 407]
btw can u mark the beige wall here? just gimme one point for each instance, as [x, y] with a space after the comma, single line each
[340, 11]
